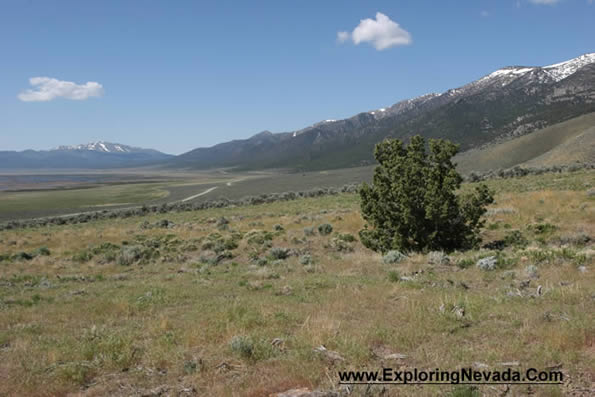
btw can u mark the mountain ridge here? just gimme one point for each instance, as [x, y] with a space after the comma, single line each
[92, 155]
[105, 147]
[507, 103]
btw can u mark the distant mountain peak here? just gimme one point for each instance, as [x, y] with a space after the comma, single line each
[102, 147]
[96, 155]
[262, 134]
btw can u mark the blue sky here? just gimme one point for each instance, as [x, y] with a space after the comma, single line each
[176, 75]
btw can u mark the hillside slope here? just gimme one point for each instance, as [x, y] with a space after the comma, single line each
[578, 149]
[561, 144]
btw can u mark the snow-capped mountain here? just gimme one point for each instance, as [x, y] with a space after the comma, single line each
[104, 147]
[500, 78]
[507, 103]
[550, 74]
[98, 154]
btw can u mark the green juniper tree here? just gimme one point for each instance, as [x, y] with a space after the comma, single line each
[412, 204]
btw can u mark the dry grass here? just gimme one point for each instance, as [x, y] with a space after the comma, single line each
[93, 327]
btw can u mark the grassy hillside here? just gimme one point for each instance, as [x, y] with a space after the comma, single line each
[211, 306]
[563, 143]
[579, 148]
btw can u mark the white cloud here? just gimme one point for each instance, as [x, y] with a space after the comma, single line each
[546, 2]
[382, 33]
[45, 89]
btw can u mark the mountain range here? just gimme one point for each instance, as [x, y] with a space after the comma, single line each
[97, 155]
[506, 104]
[515, 115]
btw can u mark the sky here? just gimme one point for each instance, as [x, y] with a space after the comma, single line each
[177, 75]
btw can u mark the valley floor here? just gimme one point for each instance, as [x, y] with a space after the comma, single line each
[234, 302]
[75, 192]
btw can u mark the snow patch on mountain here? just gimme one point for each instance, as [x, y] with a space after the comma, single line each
[100, 146]
[560, 71]
[555, 72]
[505, 76]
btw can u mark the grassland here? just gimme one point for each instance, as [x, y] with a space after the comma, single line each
[232, 302]
[73, 193]
[167, 187]
[50, 202]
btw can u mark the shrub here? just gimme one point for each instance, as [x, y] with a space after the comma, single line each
[464, 263]
[279, 253]
[278, 228]
[412, 205]
[394, 276]
[43, 251]
[341, 245]
[223, 255]
[512, 239]
[438, 258]
[574, 239]
[325, 229]
[208, 260]
[349, 238]
[135, 253]
[393, 257]
[23, 256]
[207, 245]
[242, 345]
[230, 244]
[258, 237]
[531, 271]
[306, 259]
[542, 228]
[164, 223]
[103, 247]
[108, 251]
[309, 231]
[223, 223]
[488, 263]
[128, 255]
[515, 239]
[262, 261]
[82, 256]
